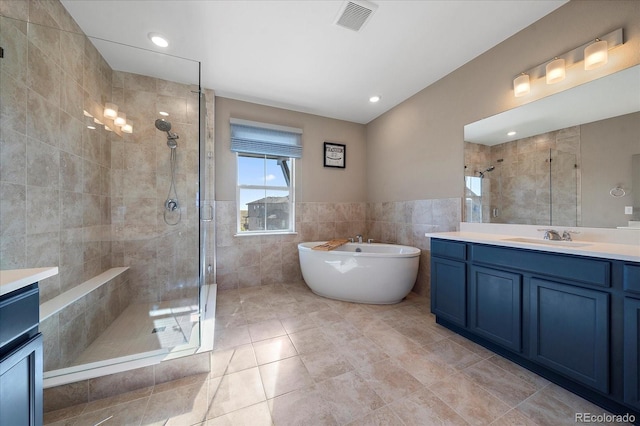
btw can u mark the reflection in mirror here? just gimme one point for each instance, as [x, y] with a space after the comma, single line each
[568, 152]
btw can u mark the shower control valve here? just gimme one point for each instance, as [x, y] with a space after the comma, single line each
[171, 205]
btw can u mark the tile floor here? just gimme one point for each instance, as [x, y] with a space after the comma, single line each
[285, 356]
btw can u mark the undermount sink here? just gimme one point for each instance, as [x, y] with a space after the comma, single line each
[547, 242]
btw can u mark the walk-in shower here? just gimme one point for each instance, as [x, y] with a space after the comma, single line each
[132, 288]
[171, 204]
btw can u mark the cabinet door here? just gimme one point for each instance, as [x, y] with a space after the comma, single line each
[570, 331]
[449, 290]
[21, 385]
[632, 352]
[495, 306]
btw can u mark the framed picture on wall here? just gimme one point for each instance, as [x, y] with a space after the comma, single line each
[335, 155]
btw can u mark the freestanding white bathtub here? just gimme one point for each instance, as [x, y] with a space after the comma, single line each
[363, 273]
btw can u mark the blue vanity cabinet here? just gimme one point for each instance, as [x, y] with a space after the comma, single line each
[574, 320]
[569, 331]
[632, 352]
[21, 362]
[495, 306]
[449, 281]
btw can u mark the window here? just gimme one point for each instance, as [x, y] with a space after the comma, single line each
[265, 161]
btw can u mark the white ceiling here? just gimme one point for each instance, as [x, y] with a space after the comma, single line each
[290, 54]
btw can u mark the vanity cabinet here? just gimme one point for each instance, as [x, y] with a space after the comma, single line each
[632, 352]
[449, 282]
[557, 314]
[21, 360]
[495, 306]
[569, 328]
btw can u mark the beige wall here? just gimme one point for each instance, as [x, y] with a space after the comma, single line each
[313, 181]
[604, 168]
[416, 148]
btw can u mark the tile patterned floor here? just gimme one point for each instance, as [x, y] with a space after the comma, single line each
[285, 356]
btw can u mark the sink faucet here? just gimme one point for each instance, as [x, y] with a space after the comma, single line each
[359, 238]
[551, 234]
[566, 235]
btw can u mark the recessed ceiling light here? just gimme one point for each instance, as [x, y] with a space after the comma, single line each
[158, 39]
[164, 114]
[511, 133]
[375, 98]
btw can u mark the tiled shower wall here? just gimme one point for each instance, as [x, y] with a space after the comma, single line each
[246, 261]
[525, 187]
[54, 174]
[163, 259]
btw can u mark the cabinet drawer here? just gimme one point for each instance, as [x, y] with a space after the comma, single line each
[631, 278]
[586, 270]
[450, 249]
[19, 312]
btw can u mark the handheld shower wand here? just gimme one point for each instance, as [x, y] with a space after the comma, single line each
[165, 126]
[171, 204]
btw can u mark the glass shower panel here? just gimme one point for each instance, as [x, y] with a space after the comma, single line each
[564, 188]
[129, 261]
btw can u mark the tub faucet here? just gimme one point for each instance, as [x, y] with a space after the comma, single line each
[359, 238]
[566, 235]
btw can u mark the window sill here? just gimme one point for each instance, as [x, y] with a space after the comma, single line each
[260, 234]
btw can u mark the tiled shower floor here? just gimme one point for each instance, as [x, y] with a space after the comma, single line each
[144, 327]
[285, 356]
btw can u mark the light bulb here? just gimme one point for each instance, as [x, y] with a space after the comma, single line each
[121, 119]
[596, 55]
[555, 71]
[521, 85]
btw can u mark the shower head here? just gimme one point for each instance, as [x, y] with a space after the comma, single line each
[165, 126]
[488, 169]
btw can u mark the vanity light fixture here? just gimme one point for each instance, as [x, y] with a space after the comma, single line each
[593, 54]
[555, 71]
[128, 127]
[511, 133]
[110, 110]
[164, 114]
[521, 85]
[158, 39]
[596, 54]
[120, 120]
[375, 98]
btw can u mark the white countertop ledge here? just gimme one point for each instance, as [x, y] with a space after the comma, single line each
[15, 279]
[626, 252]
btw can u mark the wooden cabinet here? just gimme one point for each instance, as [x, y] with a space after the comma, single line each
[449, 290]
[573, 319]
[21, 361]
[21, 384]
[570, 331]
[632, 352]
[449, 281]
[495, 306]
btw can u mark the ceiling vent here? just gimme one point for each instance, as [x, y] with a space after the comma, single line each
[355, 13]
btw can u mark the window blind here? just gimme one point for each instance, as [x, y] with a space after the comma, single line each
[265, 139]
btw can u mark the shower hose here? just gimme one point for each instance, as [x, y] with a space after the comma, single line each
[171, 205]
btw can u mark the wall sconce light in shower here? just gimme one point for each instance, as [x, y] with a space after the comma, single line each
[120, 120]
[594, 55]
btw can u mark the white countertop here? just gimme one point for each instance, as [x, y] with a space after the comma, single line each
[628, 252]
[14, 279]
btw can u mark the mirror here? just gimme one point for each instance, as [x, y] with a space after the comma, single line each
[570, 162]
